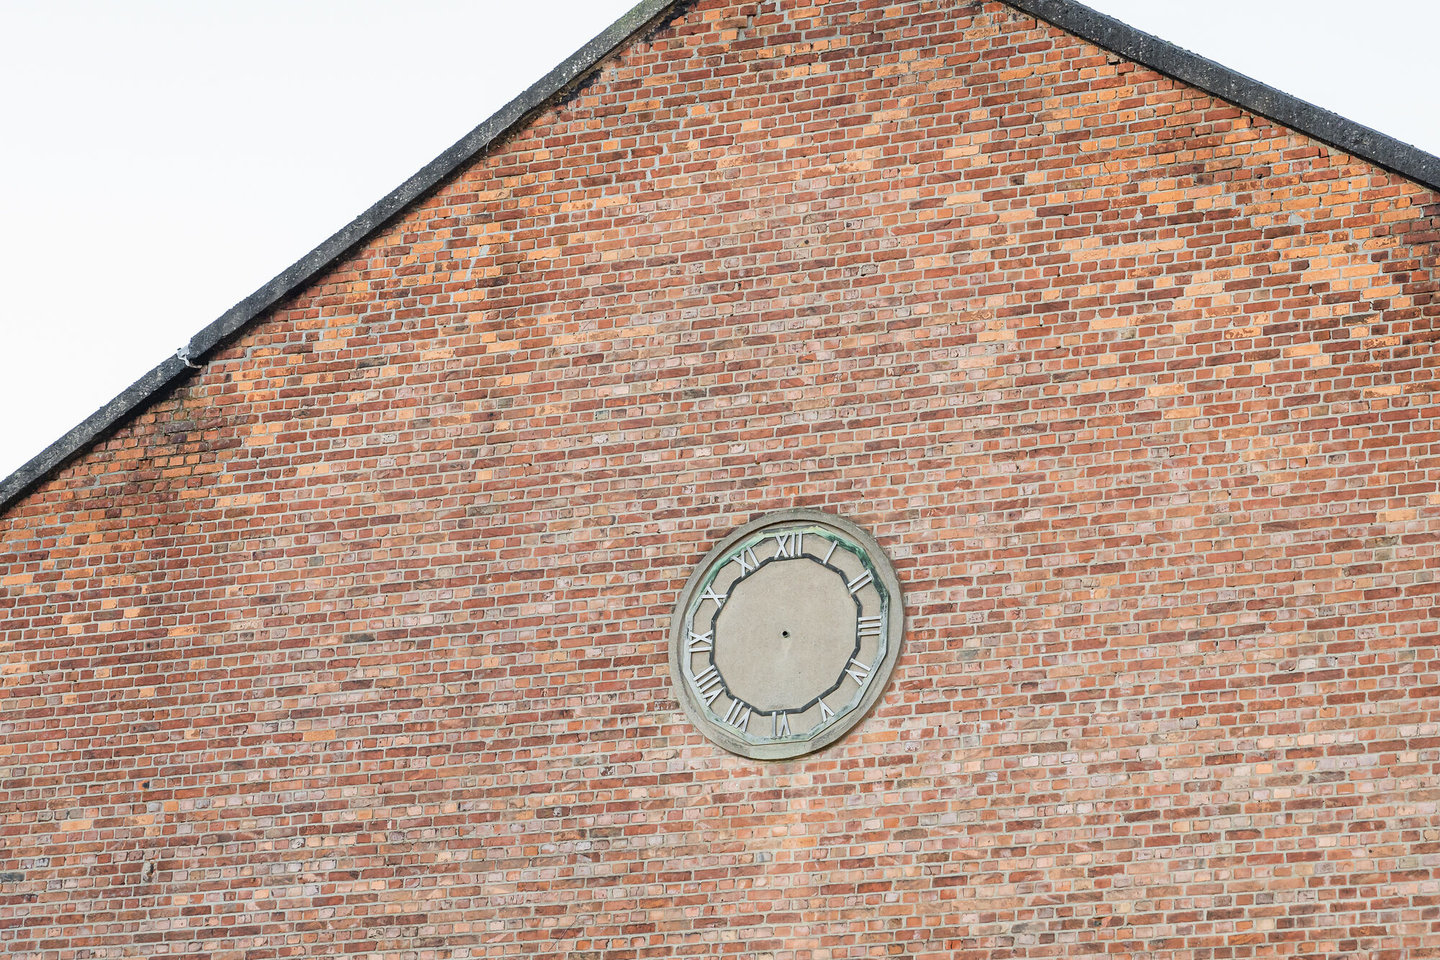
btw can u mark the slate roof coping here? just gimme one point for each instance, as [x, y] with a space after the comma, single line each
[1068, 15]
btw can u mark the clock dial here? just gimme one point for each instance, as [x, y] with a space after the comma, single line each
[787, 631]
[786, 634]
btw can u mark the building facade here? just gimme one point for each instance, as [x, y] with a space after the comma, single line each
[346, 631]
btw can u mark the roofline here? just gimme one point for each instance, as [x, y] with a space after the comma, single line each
[193, 355]
[1069, 15]
[1234, 87]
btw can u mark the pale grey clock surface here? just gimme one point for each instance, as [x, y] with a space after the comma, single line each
[786, 634]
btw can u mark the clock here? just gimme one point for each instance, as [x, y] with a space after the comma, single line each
[785, 634]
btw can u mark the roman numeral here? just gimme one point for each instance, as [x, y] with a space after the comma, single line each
[780, 725]
[859, 582]
[738, 716]
[747, 560]
[701, 642]
[709, 684]
[859, 672]
[871, 627]
[788, 544]
[825, 712]
[830, 552]
[710, 594]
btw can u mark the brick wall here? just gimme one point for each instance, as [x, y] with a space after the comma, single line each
[355, 643]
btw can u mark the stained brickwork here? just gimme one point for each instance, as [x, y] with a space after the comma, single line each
[355, 642]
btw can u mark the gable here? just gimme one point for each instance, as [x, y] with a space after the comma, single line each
[1106, 32]
[1137, 392]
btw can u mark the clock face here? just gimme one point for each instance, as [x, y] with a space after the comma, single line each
[786, 634]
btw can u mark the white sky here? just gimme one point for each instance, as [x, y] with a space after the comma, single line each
[164, 158]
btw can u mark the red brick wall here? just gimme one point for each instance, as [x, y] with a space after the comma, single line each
[356, 642]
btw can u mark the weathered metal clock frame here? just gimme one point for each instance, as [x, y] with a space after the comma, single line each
[863, 575]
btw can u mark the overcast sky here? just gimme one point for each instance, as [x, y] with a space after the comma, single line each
[164, 158]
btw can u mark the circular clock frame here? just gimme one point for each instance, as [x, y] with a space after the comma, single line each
[760, 569]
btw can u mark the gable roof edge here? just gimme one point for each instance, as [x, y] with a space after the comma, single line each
[1234, 87]
[1068, 15]
[192, 355]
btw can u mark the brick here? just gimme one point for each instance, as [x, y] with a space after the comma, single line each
[355, 641]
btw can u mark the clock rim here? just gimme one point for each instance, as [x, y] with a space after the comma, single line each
[710, 726]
